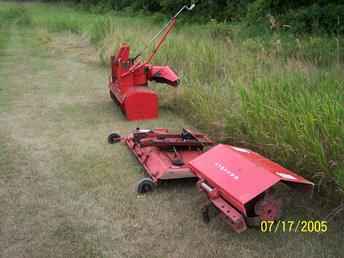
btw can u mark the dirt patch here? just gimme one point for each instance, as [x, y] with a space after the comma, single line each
[70, 44]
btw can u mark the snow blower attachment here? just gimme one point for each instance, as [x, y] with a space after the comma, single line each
[129, 77]
[238, 183]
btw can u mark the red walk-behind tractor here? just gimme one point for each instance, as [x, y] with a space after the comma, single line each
[129, 77]
[239, 183]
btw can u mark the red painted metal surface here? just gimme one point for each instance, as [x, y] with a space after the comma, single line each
[230, 214]
[129, 80]
[240, 178]
[140, 103]
[164, 155]
[129, 76]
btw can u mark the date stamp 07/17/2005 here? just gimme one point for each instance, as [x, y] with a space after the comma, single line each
[294, 226]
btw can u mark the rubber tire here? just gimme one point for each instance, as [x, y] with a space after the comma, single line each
[205, 214]
[209, 211]
[145, 185]
[113, 138]
[112, 96]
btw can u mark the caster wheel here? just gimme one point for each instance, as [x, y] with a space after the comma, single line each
[145, 185]
[113, 138]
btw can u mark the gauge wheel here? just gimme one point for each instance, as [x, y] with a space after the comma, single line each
[113, 138]
[145, 185]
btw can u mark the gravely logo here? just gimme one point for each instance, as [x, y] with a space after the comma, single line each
[222, 168]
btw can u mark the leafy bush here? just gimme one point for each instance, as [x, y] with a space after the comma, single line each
[17, 15]
[316, 18]
[302, 16]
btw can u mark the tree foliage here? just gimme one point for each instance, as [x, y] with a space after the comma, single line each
[296, 15]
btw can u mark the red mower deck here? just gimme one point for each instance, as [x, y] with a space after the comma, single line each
[165, 155]
[238, 181]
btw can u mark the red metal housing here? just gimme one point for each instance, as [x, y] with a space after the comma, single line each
[128, 85]
[237, 180]
[129, 76]
[165, 155]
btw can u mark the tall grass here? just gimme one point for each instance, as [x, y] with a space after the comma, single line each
[278, 93]
[302, 119]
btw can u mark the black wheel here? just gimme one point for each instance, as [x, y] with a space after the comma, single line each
[112, 96]
[113, 138]
[205, 214]
[209, 211]
[145, 185]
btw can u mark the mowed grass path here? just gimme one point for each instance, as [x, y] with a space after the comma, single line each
[65, 192]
